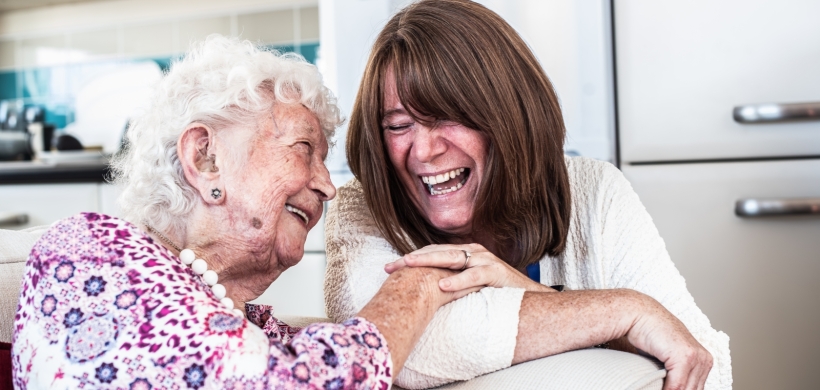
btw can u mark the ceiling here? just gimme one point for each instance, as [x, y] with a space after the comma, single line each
[13, 5]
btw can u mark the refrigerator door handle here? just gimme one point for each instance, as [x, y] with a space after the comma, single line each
[13, 219]
[776, 112]
[748, 208]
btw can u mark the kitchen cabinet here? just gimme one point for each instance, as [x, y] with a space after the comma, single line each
[757, 279]
[46, 203]
[683, 67]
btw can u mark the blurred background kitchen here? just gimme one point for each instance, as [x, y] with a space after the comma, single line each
[710, 108]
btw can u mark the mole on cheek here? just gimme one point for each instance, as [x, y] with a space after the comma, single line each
[256, 223]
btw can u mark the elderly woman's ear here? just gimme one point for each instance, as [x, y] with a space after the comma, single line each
[197, 153]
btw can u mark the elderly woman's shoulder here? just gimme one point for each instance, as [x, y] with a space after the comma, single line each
[85, 235]
[90, 221]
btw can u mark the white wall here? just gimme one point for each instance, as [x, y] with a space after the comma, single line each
[81, 32]
[90, 15]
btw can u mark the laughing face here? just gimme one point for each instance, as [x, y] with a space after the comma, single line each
[439, 165]
[284, 181]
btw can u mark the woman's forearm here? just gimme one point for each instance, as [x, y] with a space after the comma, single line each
[551, 323]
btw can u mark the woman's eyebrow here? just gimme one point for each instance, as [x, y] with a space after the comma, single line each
[394, 111]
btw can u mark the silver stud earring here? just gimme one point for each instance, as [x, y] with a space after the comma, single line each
[216, 193]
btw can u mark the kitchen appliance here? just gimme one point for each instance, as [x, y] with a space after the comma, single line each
[717, 119]
[14, 145]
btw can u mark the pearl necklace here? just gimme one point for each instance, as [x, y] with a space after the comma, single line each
[200, 267]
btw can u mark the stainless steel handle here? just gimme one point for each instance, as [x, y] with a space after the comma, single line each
[775, 112]
[746, 208]
[13, 219]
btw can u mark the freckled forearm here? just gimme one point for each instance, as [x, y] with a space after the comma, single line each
[551, 323]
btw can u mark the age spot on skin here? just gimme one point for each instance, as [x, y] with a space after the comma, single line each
[256, 223]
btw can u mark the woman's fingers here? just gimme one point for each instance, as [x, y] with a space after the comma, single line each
[453, 259]
[394, 266]
[688, 368]
[481, 268]
[677, 378]
[473, 277]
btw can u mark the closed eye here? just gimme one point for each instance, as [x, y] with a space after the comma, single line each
[398, 127]
[305, 147]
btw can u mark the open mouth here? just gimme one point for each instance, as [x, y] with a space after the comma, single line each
[299, 213]
[447, 182]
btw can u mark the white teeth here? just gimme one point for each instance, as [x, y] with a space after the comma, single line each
[441, 178]
[297, 212]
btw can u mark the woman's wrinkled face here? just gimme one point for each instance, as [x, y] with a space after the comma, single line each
[440, 166]
[283, 183]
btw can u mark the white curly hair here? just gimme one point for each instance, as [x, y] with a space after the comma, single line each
[225, 84]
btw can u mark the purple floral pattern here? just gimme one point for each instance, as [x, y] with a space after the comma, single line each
[103, 305]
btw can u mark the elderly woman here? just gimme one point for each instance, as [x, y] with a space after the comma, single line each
[222, 179]
[456, 142]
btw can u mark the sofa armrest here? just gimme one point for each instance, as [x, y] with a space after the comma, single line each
[14, 249]
[598, 369]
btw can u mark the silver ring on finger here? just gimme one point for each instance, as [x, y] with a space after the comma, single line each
[467, 257]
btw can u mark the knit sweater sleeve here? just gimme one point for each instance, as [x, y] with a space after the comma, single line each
[466, 338]
[638, 260]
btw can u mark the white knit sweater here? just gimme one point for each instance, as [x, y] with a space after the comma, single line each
[612, 243]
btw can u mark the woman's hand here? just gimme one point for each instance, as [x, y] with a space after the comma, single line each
[660, 334]
[482, 269]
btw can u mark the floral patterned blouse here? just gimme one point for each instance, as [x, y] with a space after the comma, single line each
[104, 306]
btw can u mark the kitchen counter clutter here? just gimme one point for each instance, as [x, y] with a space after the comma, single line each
[35, 172]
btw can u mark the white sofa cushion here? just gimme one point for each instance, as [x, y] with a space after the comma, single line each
[599, 369]
[14, 249]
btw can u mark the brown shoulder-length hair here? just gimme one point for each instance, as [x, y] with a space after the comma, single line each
[456, 60]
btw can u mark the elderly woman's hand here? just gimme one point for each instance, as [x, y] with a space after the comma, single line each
[482, 268]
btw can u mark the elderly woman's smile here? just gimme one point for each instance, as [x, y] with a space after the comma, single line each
[285, 180]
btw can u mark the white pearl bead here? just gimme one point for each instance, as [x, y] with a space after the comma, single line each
[187, 256]
[238, 312]
[210, 277]
[227, 302]
[218, 290]
[199, 266]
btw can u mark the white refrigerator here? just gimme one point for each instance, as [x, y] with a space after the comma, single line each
[718, 108]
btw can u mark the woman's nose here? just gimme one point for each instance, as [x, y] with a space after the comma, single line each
[427, 144]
